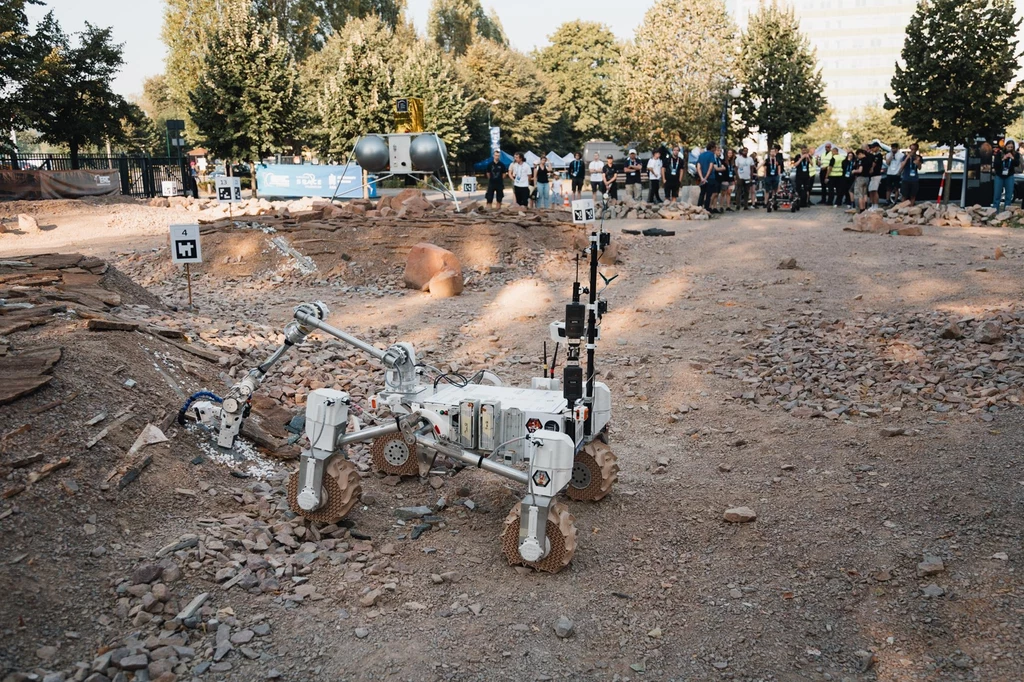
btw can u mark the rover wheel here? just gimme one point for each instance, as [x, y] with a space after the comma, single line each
[561, 534]
[594, 472]
[341, 487]
[394, 456]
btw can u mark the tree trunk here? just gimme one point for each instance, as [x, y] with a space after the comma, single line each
[949, 175]
[252, 186]
[73, 148]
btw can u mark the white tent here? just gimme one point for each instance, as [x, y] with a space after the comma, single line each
[531, 158]
[567, 159]
[556, 161]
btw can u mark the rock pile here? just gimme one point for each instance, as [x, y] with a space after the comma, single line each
[819, 366]
[954, 216]
[630, 210]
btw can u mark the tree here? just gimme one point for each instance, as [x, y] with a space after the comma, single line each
[954, 85]
[456, 24]
[580, 63]
[527, 109]
[778, 75]
[20, 54]
[246, 105]
[826, 128]
[70, 97]
[428, 73]
[873, 123]
[306, 24]
[349, 86]
[139, 133]
[675, 74]
[187, 30]
[159, 107]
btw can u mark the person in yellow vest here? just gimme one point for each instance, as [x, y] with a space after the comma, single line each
[831, 174]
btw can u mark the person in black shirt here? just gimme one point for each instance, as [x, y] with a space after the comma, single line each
[1005, 163]
[633, 169]
[861, 179]
[877, 160]
[803, 177]
[675, 166]
[496, 171]
[844, 196]
[610, 179]
[577, 173]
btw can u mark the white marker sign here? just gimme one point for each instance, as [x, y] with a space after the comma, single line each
[170, 188]
[468, 183]
[185, 244]
[229, 190]
[583, 211]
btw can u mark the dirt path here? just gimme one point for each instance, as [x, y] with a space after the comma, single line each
[824, 585]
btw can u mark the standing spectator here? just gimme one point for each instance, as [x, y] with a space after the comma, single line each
[597, 177]
[716, 198]
[728, 177]
[520, 174]
[577, 173]
[193, 179]
[756, 173]
[862, 179]
[893, 172]
[496, 171]
[773, 170]
[1005, 161]
[655, 174]
[633, 169]
[611, 178]
[825, 163]
[845, 194]
[675, 166]
[910, 166]
[743, 165]
[543, 181]
[803, 177]
[706, 164]
[875, 173]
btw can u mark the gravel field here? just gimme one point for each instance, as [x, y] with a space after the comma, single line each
[878, 447]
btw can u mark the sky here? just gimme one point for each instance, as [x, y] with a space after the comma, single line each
[136, 24]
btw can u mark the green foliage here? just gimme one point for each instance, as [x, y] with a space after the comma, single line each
[70, 97]
[527, 109]
[960, 58]
[826, 128]
[20, 54]
[428, 73]
[580, 63]
[246, 104]
[187, 30]
[871, 123]
[456, 24]
[675, 74]
[782, 90]
[306, 24]
[158, 104]
[349, 86]
[139, 134]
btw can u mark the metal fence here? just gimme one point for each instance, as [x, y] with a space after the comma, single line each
[141, 176]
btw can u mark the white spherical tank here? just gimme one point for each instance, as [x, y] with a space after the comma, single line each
[428, 152]
[372, 154]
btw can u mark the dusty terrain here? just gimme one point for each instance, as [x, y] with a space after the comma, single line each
[824, 398]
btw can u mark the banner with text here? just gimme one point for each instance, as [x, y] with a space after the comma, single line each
[309, 181]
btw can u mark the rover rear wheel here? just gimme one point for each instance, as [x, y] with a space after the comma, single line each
[560, 534]
[594, 471]
[394, 456]
[339, 491]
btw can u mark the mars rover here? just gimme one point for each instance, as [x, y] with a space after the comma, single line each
[550, 437]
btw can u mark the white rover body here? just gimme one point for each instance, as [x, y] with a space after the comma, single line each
[551, 437]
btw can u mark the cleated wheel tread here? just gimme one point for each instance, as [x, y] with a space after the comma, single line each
[561, 533]
[595, 471]
[341, 484]
[392, 455]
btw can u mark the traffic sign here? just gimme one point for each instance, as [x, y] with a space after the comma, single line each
[583, 211]
[229, 190]
[185, 244]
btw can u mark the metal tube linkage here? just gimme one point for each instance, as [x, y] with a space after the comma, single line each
[311, 321]
[475, 460]
[369, 434]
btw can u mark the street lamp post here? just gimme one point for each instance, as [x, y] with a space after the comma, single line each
[734, 92]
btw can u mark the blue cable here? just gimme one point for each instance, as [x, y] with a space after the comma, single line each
[192, 398]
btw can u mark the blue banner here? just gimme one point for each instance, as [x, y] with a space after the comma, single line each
[309, 181]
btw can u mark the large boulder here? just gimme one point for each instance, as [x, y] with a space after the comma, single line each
[27, 224]
[445, 284]
[869, 221]
[426, 260]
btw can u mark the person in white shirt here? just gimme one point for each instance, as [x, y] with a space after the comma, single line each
[655, 175]
[744, 178]
[596, 176]
[520, 172]
[894, 165]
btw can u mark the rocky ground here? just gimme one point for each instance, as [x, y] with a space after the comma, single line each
[857, 393]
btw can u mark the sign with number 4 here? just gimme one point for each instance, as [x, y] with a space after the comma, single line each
[583, 211]
[229, 190]
[185, 244]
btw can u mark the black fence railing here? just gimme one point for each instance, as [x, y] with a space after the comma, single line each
[141, 176]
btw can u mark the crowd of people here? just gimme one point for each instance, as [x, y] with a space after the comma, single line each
[737, 179]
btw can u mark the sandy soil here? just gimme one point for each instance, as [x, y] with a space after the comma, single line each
[824, 585]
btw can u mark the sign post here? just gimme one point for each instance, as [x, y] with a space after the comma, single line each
[229, 191]
[185, 249]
